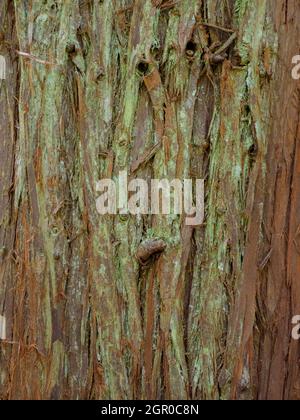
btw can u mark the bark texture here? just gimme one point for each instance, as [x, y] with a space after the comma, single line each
[98, 86]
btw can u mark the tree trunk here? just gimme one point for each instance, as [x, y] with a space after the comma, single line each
[159, 89]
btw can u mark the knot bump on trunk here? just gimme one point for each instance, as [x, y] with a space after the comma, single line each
[149, 248]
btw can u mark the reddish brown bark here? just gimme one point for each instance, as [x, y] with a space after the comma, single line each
[121, 307]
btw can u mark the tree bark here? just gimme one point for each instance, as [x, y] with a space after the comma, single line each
[159, 89]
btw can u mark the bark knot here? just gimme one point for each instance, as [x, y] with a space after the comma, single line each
[150, 247]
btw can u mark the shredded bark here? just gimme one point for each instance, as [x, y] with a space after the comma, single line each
[162, 89]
